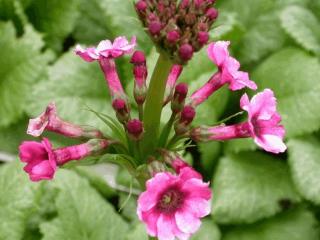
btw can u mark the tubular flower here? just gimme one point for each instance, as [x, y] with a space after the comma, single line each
[228, 73]
[262, 125]
[49, 120]
[173, 205]
[42, 159]
[105, 53]
[140, 73]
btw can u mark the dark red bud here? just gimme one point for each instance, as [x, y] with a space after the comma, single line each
[135, 128]
[155, 27]
[181, 90]
[119, 104]
[212, 13]
[138, 58]
[186, 52]
[203, 38]
[187, 115]
[141, 6]
[173, 36]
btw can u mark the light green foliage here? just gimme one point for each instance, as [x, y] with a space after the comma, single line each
[82, 213]
[16, 201]
[294, 225]
[73, 84]
[248, 187]
[304, 162]
[21, 66]
[294, 76]
[55, 18]
[302, 26]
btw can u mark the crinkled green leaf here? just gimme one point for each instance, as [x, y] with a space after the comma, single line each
[16, 201]
[302, 26]
[21, 66]
[138, 232]
[109, 19]
[240, 145]
[263, 37]
[82, 212]
[55, 18]
[73, 84]
[250, 186]
[208, 231]
[304, 162]
[209, 152]
[294, 225]
[294, 77]
[7, 8]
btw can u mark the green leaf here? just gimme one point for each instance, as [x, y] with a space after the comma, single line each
[109, 19]
[210, 152]
[138, 232]
[294, 77]
[16, 201]
[21, 66]
[7, 8]
[208, 231]
[72, 84]
[263, 37]
[55, 18]
[302, 26]
[305, 166]
[249, 186]
[240, 145]
[82, 213]
[294, 225]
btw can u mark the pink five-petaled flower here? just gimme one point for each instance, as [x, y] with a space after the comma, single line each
[42, 160]
[49, 120]
[172, 205]
[262, 125]
[228, 73]
[264, 121]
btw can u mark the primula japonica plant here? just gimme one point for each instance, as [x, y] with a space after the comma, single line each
[174, 196]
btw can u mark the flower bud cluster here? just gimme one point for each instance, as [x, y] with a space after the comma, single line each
[181, 28]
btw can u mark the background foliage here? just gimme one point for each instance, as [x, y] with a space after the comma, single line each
[257, 196]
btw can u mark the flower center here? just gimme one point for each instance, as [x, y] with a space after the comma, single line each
[171, 200]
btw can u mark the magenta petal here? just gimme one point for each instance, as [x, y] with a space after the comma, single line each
[271, 143]
[187, 173]
[32, 151]
[199, 206]
[42, 171]
[197, 189]
[218, 52]
[150, 218]
[147, 200]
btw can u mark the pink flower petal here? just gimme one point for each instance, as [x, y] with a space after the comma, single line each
[197, 189]
[150, 218]
[187, 222]
[271, 143]
[32, 151]
[165, 228]
[218, 52]
[199, 206]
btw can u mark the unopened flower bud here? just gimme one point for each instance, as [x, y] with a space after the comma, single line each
[122, 109]
[141, 6]
[203, 38]
[184, 4]
[186, 117]
[186, 52]
[179, 97]
[173, 36]
[212, 14]
[140, 73]
[155, 166]
[135, 129]
[155, 27]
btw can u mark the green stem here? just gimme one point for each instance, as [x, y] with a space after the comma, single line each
[166, 131]
[154, 102]
[140, 109]
[173, 140]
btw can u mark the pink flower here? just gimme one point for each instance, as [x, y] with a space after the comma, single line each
[172, 205]
[107, 49]
[229, 67]
[228, 74]
[264, 121]
[262, 125]
[49, 120]
[40, 159]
